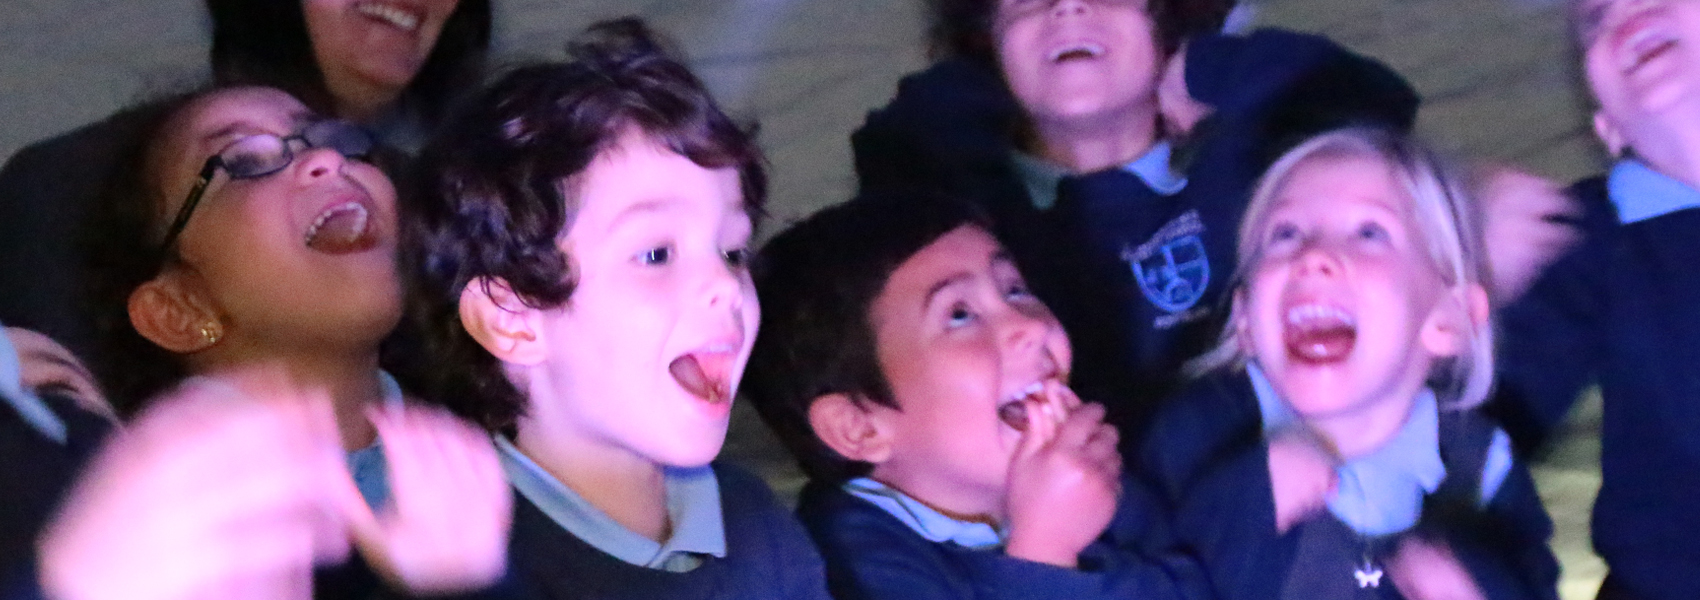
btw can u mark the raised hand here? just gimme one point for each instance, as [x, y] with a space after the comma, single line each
[1427, 570]
[1301, 476]
[1064, 480]
[1525, 227]
[446, 527]
[212, 493]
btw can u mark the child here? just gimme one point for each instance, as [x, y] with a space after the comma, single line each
[1621, 308]
[1153, 126]
[1361, 324]
[923, 389]
[585, 295]
[240, 233]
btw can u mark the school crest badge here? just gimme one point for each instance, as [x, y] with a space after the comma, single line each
[1172, 268]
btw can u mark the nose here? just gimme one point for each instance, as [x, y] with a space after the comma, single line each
[316, 163]
[1025, 329]
[723, 286]
[1319, 259]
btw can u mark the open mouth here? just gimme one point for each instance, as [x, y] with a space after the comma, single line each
[405, 19]
[1646, 40]
[1319, 333]
[1013, 409]
[341, 228]
[707, 373]
[1075, 52]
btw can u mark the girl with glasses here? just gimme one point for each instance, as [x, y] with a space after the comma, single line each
[246, 255]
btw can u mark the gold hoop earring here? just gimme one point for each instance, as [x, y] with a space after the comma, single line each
[211, 333]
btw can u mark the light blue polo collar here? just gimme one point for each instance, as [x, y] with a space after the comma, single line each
[922, 519]
[1380, 493]
[30, 407]
[1641, 193]
[693, 506]
[1153, 168]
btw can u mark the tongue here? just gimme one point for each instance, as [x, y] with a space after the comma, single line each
[343, 232]
[1325, 344]
[1014, 415]
[691, 375]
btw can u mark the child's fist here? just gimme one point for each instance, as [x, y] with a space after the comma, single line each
[446, 528]
[1064, 480]
[1424, 570]
[1301, 476]
[1526, 227]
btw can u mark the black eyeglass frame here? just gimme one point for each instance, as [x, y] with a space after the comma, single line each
[366, 143]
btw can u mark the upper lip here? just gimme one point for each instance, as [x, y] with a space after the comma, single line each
[1056, 52]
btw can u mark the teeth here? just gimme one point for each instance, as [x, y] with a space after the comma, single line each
[1032, 388]
[1086, 47]
[313, 231]
[1643, 44]
[1313, 312]
[395, 16]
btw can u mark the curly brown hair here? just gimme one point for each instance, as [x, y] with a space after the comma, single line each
[493, 196]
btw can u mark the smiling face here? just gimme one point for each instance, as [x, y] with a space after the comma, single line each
[382, 43]
[1078, 61]
[959, 336]
[647, 353]
[1642, 60]
[254, 247]
[1342, 307]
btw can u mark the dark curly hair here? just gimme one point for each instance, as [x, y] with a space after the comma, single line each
[266, 43]
[964, 27]
[816, 282]
[494, 199]
[121, 244]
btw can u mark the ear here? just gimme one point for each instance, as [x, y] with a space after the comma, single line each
[1609, 134]
[1446, 331]
[172, 313]
[850, 429]
[502, 323]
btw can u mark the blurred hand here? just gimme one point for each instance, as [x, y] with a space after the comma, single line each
[446, 528]
[1424, 570]
[211, 493]
[1179, 111]
[1301, 476]
[1525, 228]
[1064, 480]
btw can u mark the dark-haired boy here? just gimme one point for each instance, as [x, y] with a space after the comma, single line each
[1114, 143]
[583, 256]
[1623, 308]
[904, 363]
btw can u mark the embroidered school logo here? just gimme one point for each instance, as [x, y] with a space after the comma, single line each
[1172, 268]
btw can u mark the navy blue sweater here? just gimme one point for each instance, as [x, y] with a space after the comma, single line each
[1622, 309]
[1206, 455]
[950, 129]
[767, 556]
[870, 555]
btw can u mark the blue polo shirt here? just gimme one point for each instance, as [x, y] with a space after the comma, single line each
[1041, 178]
[1641, 193]
[931, 524]
[693, 508]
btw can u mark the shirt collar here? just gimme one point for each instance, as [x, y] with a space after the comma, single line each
[1641, 193]
[1382, 492]
[1153, 168]
[693, 507]
[922, 519]
[22, 399]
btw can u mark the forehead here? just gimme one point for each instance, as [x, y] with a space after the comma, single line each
[638, 174]
[1334, 181]
[966, 250]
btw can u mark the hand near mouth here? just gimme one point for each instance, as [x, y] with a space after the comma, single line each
[1064, 481]
[1301, 476]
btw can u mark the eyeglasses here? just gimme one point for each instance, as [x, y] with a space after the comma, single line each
[262, 154]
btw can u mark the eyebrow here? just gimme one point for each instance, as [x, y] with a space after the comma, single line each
[941, 285]
[642, 208]
[296, 122]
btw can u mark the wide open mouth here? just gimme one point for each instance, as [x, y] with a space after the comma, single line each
[342, 227]
[706, 374]
[1075, 51]
[1647, 37]
[1319, 333]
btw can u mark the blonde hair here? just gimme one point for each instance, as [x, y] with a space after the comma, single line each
[1446, 216]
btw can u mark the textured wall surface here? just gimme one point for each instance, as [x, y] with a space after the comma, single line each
[1496, 76]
